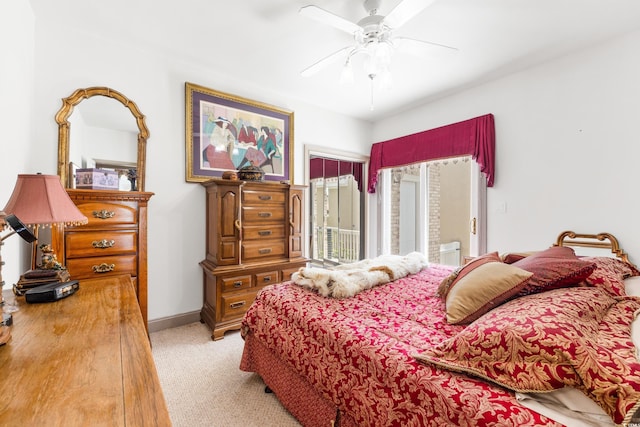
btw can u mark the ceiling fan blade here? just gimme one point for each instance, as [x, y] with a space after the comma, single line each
[420, 47]
[404, 11]
[326, 17]
[309, 71]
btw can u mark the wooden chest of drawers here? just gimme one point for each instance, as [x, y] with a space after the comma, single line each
[254, 239]
[114, 242]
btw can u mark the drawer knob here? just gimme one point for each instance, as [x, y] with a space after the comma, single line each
[264, 197]
[237, 284]
[266, 279]
[104, 214]
[103, 244]
[264, 251]
[264, 233]
[237, 304]
[103, 268]
[264, 214]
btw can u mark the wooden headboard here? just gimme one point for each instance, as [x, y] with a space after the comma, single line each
[601, 241]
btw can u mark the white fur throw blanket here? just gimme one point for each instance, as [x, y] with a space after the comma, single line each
[347, 280]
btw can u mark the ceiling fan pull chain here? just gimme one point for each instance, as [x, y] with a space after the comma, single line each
[371, 77]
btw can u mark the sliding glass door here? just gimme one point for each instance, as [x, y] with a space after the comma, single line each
[336, 193]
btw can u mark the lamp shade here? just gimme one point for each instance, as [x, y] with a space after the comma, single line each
[41, 199]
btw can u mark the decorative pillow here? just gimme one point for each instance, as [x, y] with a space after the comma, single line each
[511, 257]
[482, 288]
[443, 288]
[610, 274]
[462, 271]
[577, 337]
[556, 267]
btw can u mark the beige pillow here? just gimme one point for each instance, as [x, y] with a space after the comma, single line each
[482, 289]
[462, 271]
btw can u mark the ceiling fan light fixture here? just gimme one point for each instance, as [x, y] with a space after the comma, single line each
[346, 77]
[373, 36]
[386, 79]
[383, 53]
[378, 57]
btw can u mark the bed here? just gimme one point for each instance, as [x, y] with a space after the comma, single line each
[549, 345]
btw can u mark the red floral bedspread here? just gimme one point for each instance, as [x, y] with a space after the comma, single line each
[569, 337]
[359, 354]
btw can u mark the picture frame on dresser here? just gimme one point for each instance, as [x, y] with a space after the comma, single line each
[227, 132]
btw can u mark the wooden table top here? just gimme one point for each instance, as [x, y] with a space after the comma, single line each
[83, 360]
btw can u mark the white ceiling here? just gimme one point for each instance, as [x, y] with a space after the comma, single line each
[268, 43]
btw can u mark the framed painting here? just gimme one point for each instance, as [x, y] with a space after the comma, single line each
[226, 132]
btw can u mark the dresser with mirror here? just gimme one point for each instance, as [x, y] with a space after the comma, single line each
[109, 134]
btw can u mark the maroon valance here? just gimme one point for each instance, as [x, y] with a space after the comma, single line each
[331, 168]
[475, 137]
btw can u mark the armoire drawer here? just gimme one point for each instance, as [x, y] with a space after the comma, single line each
[257, 250]
[266, 278]
[252, 215]
[288, 272]
[87, 268]
[261, 232]
[235, 283]
[234, 306]
[100, 243]
[263, 197]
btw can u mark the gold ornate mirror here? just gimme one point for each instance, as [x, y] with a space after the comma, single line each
[116, 155]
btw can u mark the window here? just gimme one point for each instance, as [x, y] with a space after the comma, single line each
[433, 207]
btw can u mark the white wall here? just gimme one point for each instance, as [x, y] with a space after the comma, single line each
[566, 141]
[91, 142]
[67, 61]
[16, 118]
[567, 146]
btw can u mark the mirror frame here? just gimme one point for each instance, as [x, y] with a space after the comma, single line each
[63, 129]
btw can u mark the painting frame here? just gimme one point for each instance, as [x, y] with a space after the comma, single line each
[226, 132]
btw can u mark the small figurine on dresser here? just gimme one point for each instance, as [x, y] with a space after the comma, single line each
[230, 175]
[50, 271]
[49, 259]
[132, 174]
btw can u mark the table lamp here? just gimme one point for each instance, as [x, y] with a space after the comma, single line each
[40, 200]
[17, 227]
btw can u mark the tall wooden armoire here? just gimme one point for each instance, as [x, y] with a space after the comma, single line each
[254, 239]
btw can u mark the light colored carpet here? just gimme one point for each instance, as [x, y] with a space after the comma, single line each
[203, 385]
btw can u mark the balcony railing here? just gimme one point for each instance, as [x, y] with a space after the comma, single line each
[335, 244]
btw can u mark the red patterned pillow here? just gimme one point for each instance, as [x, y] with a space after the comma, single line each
[610, 274]
[460, 272]
[556, 267]
[511, 257]
[568, 337]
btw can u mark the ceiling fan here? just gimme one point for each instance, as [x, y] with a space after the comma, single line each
[373, 36]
